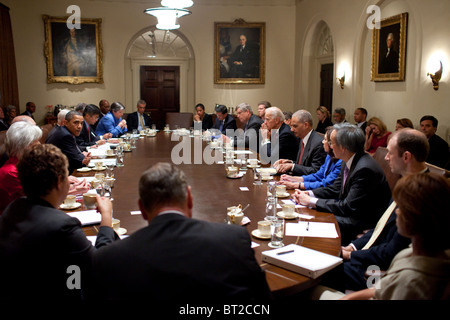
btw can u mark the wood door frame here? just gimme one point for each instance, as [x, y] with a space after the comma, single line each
[319, 61]
[183, 64]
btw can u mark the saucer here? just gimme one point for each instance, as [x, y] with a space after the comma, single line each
[99, 169]
[64, 207]
[236, 176]
[126, 150]
[84, 169]
[255, 166]
[281, 214]
[121, 231]
[282, 195]
[256, 234]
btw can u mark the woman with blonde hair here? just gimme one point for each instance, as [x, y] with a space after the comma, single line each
[376, 135]
[324, 117]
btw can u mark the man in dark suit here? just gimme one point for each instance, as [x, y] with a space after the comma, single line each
[360, 116]
[65, 138]
[104, 110]
[407, 151]
[438, 147]
[138, 120]
[201, 116]
[244, 60]
[176, 258]
[311, 155]
[360, 195]
[249, 136]
[30, 109]
[224, 121]
[389, 59]
[40, 244]
[88, 137]
[280, 143]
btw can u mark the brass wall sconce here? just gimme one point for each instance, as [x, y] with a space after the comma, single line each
[436, 77]
[341, 81]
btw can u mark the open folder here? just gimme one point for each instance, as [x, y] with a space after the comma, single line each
[87, 218]
[308, 262]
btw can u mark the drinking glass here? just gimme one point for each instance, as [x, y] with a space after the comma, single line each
[277, 233]
[257, 178]
[271, 208]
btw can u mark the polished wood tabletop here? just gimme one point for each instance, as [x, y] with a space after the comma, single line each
[212, 192]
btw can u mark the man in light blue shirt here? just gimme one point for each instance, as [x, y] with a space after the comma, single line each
[112, 122]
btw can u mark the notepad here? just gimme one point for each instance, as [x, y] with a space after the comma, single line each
[305, 261]
[311, 229]
[87, 217]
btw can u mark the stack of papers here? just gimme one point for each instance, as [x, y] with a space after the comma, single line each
[86, 218]
[308, 262]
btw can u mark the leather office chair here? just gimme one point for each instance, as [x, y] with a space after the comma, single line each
[46, 128]
[181, 119]
[392, 178]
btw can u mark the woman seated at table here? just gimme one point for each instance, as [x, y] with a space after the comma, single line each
[421, 272]
[326, 175]
[324, 117]
[40, 244]
[19, 137]
[376, 135]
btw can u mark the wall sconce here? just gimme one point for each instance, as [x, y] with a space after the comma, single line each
[341, 81]
[436, 77]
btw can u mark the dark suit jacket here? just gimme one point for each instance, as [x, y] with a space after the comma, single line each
[230, 123]
[133, 121]
[26, 113]
[83, 138]
[249, 137]
[177, 259]
[63, 139]
[438, 151]
[313, 156]
[361, 202]
[283, 147]
[207, 122]
[37, 245]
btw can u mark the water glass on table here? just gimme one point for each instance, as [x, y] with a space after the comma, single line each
[277, 233]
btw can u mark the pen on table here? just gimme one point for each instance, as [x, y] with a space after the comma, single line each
[307, 226]
[284, 252]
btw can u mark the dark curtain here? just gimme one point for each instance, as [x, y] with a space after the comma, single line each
[9, 91]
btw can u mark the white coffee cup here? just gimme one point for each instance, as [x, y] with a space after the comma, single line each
[110, 152]
[264, 228]
[281, 189]
[231, 171]
[116, 224]
[70, 200]
[235, 214]
[90, 200]
[253, 162]
[288, 209]
[98, 165]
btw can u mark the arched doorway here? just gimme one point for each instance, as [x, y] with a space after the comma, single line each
[162, 72]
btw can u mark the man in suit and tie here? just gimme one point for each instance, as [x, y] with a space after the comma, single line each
[88, 137]
[224, 121]
[104, 109]
[277, 139]
[138, 120]
[30, 109]
[65, 138]
[360, 195]
[311, 155]
[177, 258]
[407, 152]
[244, 60]
[248, 138]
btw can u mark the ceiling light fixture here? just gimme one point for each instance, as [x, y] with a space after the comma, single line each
[170, 12]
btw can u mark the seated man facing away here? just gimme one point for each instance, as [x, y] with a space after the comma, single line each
[176, 258]
[360, 195]
[112, 122]
[38, 243]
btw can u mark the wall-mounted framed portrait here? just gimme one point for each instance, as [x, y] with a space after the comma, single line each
[73, 55]
[239, 52]
[389, 49]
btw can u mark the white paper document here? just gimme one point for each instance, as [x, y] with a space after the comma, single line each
[87, 217]
[107, 161]
[311, 229]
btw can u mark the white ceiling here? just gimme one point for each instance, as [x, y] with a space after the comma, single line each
[217, 2]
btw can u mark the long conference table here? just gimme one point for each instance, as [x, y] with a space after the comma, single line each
[213, 193]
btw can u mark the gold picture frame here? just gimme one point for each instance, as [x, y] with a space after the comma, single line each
[73, 55]
[390, 66]
[234, 63]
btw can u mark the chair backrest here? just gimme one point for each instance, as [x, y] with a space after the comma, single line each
[46, 128]
[379, 156]
[438, 170]
[181, 119]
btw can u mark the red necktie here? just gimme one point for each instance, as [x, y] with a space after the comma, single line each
[89, 132]
[302, 146]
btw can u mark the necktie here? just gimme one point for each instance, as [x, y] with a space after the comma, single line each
[221, 126]
[89, 132]
[302, 148]
[380, 225]
[345, 177]
[141, 118]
